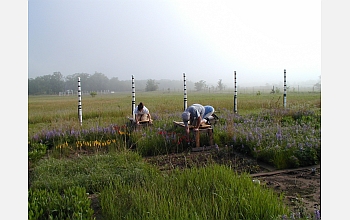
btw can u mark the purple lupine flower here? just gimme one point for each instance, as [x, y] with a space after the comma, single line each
[279, 135]
[36, 137]
[317, 214]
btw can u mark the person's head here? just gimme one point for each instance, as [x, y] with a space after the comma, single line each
[185, 117]
[140, 106]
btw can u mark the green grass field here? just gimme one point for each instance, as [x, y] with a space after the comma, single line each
[102, 110]
[129, 188]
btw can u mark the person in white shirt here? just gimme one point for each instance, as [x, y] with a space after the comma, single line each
[142, 114]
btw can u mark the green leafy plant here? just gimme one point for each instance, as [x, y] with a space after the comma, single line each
[36, 151]
[50, 204]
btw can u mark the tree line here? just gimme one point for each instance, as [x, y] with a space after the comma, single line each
[57, 83]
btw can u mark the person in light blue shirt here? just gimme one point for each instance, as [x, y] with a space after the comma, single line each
[195, 115]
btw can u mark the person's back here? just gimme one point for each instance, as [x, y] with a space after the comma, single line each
[196, 110]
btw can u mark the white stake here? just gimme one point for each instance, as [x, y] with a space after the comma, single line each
[185, 93]
[133, 96]
[80, 111]
[235, 95]
[285, 90]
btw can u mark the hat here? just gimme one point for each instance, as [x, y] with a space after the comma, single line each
[185, 117]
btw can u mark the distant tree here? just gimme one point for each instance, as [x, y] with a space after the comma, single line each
[37, 86]
[151, 85]
[93, 94]
[47, 84]
[212, 88]
[113, 84]
[318, 84]
[116, 85]
[220, 85]
[71, 82]
[199, 86]
[56, 83]
[98, 81]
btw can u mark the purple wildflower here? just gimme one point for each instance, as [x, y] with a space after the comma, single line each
[317, 214]
[279, 135]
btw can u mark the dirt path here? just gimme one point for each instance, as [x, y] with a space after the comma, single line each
[301, 187]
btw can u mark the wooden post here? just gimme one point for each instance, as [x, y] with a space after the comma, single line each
[210, 133]
[198, 144]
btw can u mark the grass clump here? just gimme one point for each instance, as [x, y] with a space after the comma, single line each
[92, 172]
[50, 204]
[213, 192]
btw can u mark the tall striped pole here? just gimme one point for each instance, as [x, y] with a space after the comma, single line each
[80, 111]
[285, 90]
[185, 93]
[235, 95]
[133, 96]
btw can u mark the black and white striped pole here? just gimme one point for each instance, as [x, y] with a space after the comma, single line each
[235, 95]
[185, 93]
[80, 111]
[133, 96]
[285, 90]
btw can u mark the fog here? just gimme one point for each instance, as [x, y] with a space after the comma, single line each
[207, 40]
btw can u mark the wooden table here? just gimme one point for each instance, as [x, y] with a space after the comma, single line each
[203, 128]
[144, 123]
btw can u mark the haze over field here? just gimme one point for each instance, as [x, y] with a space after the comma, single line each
[207, 40]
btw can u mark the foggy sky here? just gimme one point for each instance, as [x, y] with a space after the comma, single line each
[154, 39]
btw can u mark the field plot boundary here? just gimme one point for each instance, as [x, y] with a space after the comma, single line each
[275, 172]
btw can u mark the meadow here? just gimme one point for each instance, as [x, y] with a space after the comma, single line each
[104, 155]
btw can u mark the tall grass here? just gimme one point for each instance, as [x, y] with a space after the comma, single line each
[213, 192]
[93, 172]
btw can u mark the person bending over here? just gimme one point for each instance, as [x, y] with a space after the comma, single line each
[142, 114]
[195, 115]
